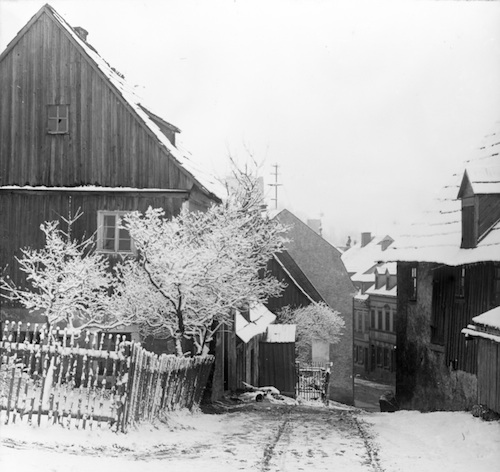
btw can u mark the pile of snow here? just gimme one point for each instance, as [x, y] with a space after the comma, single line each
[435, 442]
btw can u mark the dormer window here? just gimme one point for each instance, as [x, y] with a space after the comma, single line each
[480, 195]
[469, 223]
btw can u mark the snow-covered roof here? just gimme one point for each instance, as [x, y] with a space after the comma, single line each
[393, 292]
[281, 333]
[490, 318]
[436, 236]
[484, 180]
[205, 179]
[260, 319]
[360, 258]
[363, 278]
[391, 267]
[90, 189]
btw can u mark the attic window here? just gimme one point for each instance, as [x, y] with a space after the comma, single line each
[58, 119]
[413, 284]
[461, 283]
[469, 223]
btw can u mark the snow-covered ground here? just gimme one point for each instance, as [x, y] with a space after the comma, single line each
[265, 437]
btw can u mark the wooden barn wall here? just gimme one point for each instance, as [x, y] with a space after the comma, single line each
[453, 311]
[489, 374]
[105, 145]
[434, 364]
[291, 295]
[235, 362]
[23, 214]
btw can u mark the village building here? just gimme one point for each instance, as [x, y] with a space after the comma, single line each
[448, 276]
[73, 135]
[374, 308]
[313, 270]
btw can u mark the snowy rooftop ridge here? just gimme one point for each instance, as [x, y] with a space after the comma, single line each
[205, 179]
[437, 235]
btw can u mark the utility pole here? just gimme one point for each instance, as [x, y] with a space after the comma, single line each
[275, 185]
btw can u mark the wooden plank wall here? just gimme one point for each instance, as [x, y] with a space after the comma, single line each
[488, 374]
[451, 313]
[106, 145]
[25, 212]
[291, 295]
[277, 366]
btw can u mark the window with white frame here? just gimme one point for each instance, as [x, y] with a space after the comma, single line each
[58, 119]
[111, 237]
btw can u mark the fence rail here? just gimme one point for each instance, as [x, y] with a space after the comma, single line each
[91, 380]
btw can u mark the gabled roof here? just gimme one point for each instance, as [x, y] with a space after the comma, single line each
[320, 262]
[361, 259]
[297, 276]
[437, 235]
[126, 92]
[480, 181]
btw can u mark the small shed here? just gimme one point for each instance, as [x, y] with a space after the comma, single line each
[485, 331]
[277, 359]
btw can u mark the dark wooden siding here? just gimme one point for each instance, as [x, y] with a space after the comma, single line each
[489, 212]
[452, 312]
[106, 144]
[25, 212]
[277, 367]
[489, 374]
[291, 296]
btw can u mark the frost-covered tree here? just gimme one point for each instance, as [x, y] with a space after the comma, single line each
[194, 270]
[315, 322]
[66, 279]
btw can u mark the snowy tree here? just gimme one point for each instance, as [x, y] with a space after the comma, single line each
[194, 270]
[315, 322]
[66, 279]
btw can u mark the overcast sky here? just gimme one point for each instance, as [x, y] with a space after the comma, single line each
[366, 107]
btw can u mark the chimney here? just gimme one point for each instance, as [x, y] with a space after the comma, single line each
[365, 239]
[81, 32]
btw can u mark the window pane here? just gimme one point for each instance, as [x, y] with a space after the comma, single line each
[52, 111]
[109, 220]
[109, 244]
[52, 125]
[109, 233]
[124, 245]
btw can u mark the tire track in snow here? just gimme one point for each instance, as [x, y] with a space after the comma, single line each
[270, 448]
[370, 445]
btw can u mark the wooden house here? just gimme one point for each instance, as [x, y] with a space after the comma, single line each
[448, 274]
[313, 271]
[73, 135]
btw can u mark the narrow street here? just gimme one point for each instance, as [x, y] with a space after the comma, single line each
[254, 437]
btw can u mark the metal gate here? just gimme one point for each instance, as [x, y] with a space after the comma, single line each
[312, 381]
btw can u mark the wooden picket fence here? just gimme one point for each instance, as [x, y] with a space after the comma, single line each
[53, 376]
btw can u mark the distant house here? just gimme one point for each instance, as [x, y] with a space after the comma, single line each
[314, 272]
[449, 274]
[74, 135]
[374, 307]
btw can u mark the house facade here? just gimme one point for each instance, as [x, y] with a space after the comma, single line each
[313, 271]
[74, 136]
[448, 274]
[374, 308]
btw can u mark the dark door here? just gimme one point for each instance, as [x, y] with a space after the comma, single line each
[277, 367]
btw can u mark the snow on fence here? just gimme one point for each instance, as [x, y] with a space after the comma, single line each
[92, 380]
